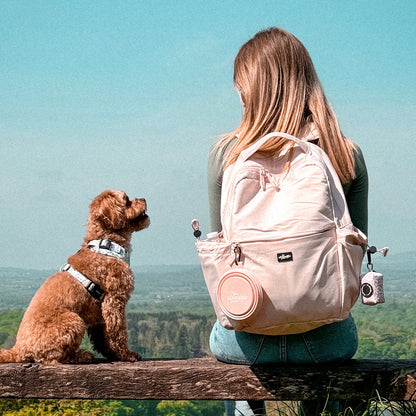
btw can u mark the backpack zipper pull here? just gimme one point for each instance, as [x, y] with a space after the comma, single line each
[263, 177]
[237, 253]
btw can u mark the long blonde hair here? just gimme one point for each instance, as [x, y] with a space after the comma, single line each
[280, 90]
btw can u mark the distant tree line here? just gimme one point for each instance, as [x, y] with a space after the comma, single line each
[386, 331]
[177, 335]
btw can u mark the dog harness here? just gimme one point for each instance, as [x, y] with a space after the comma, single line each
[93, 289]
[110, 248]
[106, 247]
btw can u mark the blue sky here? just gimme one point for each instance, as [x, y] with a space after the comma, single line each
[131, 95]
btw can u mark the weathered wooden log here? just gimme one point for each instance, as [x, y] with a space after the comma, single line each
[206, 378]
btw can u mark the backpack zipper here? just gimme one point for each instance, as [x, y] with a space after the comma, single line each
[293, 237]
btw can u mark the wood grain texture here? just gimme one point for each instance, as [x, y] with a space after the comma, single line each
[207, 378]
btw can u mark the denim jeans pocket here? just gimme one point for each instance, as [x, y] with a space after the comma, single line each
[337, 341]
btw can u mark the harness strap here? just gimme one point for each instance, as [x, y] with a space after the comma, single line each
[110, 248]
[93, 289]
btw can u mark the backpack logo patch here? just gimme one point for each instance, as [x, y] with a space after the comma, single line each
[284, 257]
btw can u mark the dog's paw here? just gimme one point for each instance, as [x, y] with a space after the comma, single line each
[83, 356]
[132, 357]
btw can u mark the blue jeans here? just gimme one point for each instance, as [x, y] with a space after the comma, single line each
[337, 341]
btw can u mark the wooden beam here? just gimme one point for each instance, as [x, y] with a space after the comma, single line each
[206, 378]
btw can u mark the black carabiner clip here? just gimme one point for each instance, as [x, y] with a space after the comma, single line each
[237, 254]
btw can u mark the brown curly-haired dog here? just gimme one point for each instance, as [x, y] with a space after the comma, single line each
[62, 310]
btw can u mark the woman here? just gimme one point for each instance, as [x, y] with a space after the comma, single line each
[280, 91]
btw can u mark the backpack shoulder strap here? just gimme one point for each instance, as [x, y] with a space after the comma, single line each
[247, 153]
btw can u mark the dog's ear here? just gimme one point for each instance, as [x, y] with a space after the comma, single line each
[109, 208]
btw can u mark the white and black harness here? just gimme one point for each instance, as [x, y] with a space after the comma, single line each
[106, 247]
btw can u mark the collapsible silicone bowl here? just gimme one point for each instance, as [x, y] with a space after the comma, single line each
[239, 294]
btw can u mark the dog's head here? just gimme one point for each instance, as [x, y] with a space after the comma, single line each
[115, 213]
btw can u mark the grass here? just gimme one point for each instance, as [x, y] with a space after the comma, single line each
[374, 407]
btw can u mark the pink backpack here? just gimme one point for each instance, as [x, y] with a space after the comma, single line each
[288, 258]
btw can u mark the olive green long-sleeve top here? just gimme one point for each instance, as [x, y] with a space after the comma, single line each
[356, 191]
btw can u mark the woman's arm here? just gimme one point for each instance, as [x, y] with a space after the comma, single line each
[356, 193]
[214, 187]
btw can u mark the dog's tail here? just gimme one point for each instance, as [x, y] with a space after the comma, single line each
[8, 356]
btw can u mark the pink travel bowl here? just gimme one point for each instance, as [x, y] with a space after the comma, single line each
[239, 294]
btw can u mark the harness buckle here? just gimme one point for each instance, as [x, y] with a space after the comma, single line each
[95, 291]
[105, 244]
